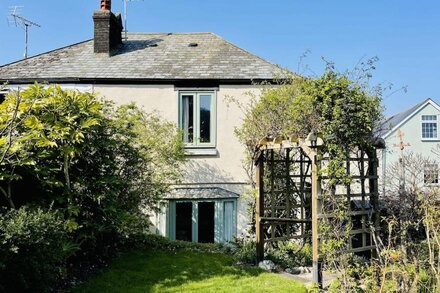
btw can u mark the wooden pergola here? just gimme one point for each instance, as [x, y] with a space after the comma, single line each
[290, 196]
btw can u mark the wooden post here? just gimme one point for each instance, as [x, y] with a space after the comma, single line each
[259, 209]
[316, 192]
[374, 188]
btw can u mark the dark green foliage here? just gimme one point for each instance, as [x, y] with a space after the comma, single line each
[245, 251]
[33, 249]
[101, 168]
[289, 254]
[286, 255]
[160, 242]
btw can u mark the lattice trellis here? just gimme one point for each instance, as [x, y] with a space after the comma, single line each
[291, 197]
[286, 176]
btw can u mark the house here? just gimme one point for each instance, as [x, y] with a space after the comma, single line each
[416, 128]
[185, 77]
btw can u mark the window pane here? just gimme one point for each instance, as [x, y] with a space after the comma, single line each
[429, 130]
[188, 118]
[431, 174]
[184, 221]
[429, 117]
[205, 118]
[228, 221]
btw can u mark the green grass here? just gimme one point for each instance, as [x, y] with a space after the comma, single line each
[184, 271]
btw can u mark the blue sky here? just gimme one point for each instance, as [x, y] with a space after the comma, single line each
[404, 34]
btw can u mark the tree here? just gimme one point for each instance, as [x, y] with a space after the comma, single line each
[100, 165]
[16, 139]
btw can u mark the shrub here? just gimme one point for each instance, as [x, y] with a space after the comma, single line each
[99, 165]
[245, 250]
[33, 249]
[289, 254]
[159, 242]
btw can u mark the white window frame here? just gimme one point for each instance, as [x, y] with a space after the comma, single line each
[196, 144]
[429, 121]
[429, 168]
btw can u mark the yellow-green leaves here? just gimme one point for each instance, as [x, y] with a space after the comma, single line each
[32, 122]
[89, 122]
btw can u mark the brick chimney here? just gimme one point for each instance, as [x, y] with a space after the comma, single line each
[108, 29]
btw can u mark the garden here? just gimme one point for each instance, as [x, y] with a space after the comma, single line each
[79, 176]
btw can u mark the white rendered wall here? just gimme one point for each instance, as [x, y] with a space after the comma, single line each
[222, 170]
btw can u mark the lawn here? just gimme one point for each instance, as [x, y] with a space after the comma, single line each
[184, 271]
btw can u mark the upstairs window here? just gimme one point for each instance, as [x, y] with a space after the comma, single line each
[197, 118]
[430, 174]
[429, 127]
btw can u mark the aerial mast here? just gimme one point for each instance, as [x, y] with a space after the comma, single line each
[16, 19]
[125, 16]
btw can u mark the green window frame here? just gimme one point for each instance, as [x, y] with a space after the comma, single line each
[225, 219]
[198, 125]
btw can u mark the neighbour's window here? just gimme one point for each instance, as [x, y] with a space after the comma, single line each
[430, 174]
[197, 118]
[3, 94]
[429, 126]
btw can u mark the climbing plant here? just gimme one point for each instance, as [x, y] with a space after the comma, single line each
[344, 112]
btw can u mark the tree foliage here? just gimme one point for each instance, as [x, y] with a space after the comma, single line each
[342, 111]
[102, 168]
[33, 249]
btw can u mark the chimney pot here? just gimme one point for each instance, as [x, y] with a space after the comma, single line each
[106, 5]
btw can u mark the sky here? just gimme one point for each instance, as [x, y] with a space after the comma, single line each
[403, 34]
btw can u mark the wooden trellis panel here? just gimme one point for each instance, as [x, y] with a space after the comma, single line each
[290, 199]
[283, 213]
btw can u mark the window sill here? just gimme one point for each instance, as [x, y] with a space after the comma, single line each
[430, 139]
[201, 152]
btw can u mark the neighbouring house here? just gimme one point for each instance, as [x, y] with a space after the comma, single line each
[185, 77]
[417, 129]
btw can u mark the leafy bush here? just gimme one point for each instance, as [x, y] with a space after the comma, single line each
[159, 242]
[289, 254]
[244, 250]
[33, 249]
[99, 165]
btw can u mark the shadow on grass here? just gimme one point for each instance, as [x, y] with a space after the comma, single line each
[153, 270]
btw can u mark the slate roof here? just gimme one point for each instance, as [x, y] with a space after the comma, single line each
[145, 56]
[397, 118]
[201, 193]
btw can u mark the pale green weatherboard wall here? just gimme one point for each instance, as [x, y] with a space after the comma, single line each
[412, 130]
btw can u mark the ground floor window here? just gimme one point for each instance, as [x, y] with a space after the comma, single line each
[202, 220]
[431, 174]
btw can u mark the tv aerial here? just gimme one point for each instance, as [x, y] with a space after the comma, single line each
[15, 18]
[125, 15]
